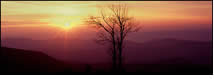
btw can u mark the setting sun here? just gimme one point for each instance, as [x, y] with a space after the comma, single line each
[67, 24]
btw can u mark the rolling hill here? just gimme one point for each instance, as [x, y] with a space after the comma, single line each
[18, 61]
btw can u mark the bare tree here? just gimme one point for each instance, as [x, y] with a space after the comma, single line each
[114, 25]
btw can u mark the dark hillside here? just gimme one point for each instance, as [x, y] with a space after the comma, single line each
[27, 62]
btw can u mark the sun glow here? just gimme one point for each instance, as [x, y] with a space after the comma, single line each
[67, 26]
[64, 22]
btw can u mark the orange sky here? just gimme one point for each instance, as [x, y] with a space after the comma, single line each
[152, 14]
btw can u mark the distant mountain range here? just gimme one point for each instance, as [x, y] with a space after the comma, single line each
[164, 55]
[89, 51]
[194, 52]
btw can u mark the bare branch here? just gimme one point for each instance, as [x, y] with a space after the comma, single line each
[116, 26]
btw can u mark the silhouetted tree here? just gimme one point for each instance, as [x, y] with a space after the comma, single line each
[114, 24]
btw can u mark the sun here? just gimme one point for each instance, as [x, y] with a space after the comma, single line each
[67, 25]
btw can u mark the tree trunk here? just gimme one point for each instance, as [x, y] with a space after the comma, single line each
[114, 56]
[120, 57]
[120, 48]
[114, 65]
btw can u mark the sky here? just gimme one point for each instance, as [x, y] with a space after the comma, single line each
[43, 19]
